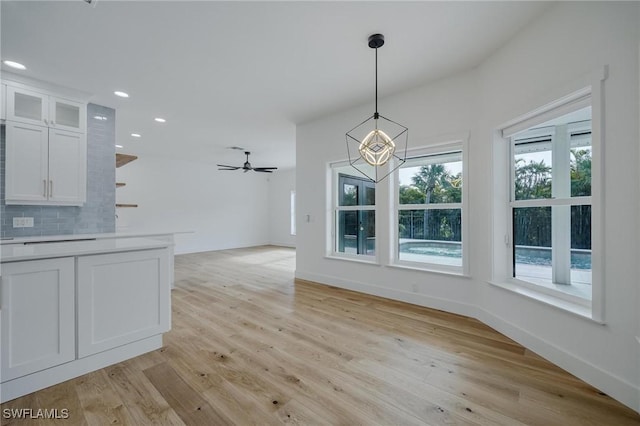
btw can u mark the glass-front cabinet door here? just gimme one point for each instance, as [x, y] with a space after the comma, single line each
[27, 106]
[67, 115]
[32, 107]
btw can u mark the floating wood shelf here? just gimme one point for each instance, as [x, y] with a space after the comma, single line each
[122, 159]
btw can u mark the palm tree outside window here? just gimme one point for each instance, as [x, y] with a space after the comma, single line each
[430, 209]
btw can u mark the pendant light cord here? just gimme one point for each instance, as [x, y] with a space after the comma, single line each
[376, 114]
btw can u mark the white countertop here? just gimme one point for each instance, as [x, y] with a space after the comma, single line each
[49, 250]
[109, 235]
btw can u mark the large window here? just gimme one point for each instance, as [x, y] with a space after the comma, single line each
[551, 203]
[354, 213]
[547, 200]
[429, 210]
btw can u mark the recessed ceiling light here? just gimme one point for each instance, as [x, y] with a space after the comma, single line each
[16, 65]
[136, 135]
[160, 120]
[121, 94]
[119, 146]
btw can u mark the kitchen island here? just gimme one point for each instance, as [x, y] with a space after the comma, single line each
[74, 304]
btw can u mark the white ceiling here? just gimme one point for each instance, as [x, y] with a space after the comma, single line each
[244, 73]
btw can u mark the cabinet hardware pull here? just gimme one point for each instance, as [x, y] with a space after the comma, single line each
[44, 188]
[50, 189]
[45, 121]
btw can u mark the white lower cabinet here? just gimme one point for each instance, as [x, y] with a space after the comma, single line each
[67, 316]
[38, 316]
[122, 298]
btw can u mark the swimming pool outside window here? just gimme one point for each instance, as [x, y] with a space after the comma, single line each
[429, 210]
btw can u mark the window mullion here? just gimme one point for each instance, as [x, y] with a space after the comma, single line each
[561, 215]
[545, 202]
[355, 208]
[439, 206]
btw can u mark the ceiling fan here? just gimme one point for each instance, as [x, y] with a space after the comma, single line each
[247, 166]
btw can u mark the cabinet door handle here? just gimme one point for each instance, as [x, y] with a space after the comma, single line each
[45, 121]
[44, 188]
[50, 189]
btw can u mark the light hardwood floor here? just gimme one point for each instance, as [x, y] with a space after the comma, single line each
[251, 346]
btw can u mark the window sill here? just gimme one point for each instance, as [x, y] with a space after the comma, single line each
[372, 261]
[581, 311]
[430, 269]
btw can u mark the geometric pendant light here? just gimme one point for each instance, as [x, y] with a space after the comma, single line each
[377, 140]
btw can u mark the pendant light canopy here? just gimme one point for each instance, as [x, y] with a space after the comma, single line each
[370, 150]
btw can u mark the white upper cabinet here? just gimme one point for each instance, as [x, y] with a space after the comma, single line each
[42, 109]
[46, 148]
[26, 168]
[67, 167]
[45, 166]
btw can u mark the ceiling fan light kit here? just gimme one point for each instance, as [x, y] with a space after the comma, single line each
[246, 166]
[369, 150]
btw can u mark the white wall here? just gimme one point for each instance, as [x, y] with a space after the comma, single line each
[570, 41]
[281, 183]
[429, 112]
[567, 42]
[222, 209]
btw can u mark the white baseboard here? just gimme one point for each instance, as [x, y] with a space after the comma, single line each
[280, 244]
[389, 293]
[181, 249]
[616, 387]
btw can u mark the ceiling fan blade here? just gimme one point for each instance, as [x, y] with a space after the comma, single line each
[247, 166]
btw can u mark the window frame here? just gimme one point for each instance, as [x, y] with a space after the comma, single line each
[334, 180]
[587, 91]
[452, 144]
[561, 262]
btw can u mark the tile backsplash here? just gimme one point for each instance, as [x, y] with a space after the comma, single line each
[98, 214]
